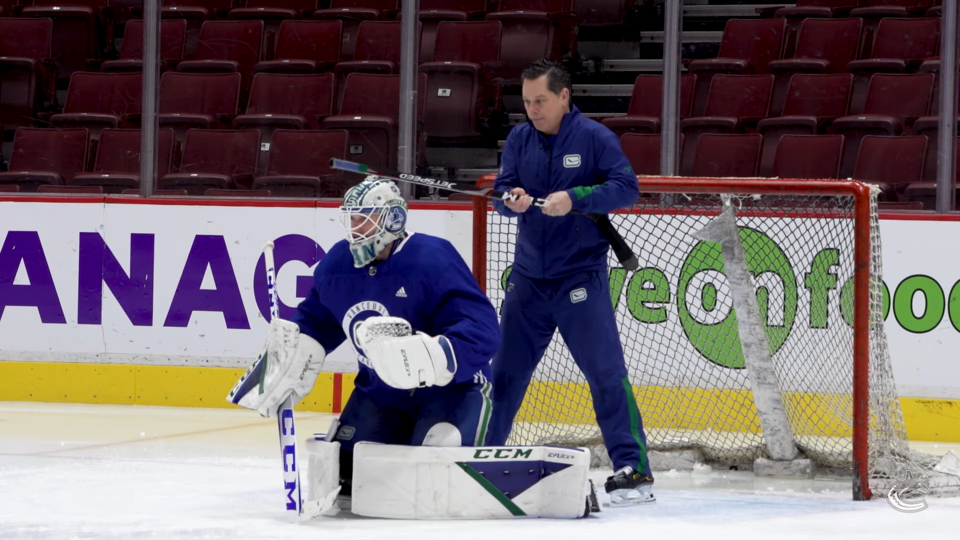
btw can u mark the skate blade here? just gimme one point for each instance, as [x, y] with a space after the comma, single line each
[630, 497]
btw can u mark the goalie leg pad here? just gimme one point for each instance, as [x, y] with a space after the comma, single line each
[323, 477]
[412, 482]
[288, 366]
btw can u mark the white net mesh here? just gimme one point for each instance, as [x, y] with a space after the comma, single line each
[681, 344]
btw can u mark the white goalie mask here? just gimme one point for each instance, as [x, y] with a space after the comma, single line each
[373, 215]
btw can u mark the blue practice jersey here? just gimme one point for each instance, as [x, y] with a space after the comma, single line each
[424, 281]
[585, 160]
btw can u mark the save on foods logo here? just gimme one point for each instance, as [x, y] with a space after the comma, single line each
[693, 293]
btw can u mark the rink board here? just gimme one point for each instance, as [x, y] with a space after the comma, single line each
[203, 320]
[926, 419]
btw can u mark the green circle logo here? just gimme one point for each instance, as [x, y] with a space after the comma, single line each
[707, 316]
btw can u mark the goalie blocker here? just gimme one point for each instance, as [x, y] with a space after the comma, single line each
[424, 482]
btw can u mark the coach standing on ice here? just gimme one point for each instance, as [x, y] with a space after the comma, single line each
[560, 275]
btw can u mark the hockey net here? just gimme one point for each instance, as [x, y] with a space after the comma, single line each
[813, 251]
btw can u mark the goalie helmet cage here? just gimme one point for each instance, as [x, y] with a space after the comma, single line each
[813, 250]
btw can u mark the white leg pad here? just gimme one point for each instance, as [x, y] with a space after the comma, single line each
[420, 482]
[323, 478]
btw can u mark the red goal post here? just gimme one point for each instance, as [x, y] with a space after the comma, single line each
[835, 376]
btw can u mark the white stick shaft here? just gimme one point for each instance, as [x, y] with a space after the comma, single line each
[285, 421]
[271, 280]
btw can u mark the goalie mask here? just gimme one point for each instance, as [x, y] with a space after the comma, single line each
[373, 214]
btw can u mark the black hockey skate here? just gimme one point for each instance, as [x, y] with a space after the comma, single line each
[628, 487]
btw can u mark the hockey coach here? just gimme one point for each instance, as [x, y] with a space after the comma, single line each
[560, 277]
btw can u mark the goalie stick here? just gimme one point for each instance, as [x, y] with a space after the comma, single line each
[285, 422]
[620, 247]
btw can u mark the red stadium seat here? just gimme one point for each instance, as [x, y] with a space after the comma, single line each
[747, 46]
[727, 155]
[305, 47]
[217, 159]
[808, 156]
[646, 105]
[117, 166]
[300, 164]
[893, 103]
[27, 74]
[173, 34]
[46, 156]
[735, 103]
[813, 101]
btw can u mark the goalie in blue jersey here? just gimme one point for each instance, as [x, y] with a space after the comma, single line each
[423, 331]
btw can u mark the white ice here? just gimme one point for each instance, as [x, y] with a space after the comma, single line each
[125, 472]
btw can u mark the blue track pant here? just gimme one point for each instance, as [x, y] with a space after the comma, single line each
[580, 307]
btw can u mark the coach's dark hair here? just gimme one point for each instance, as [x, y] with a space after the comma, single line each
[558, 77]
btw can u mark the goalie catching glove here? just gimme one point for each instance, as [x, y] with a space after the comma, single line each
[288, 365]
[405, 360]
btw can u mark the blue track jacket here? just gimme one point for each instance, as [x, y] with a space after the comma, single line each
[587, 162]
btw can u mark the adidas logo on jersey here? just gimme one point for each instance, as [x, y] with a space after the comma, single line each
[401, 293]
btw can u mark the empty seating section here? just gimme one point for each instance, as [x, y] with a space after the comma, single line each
[300, 164]
[369, 113]
[377, 51]
[198, 100]
[220, 159]
[80, 32]
[26, 71]
[46, 156]
[173, 35]
[808, 156]
[824, 46]
[534, 29]
[901, 46]
[892, 162]
[305, 47]
[892, 105]
[195, 12]
[101, 100]
[735, 103]
[117, 165]
[433, 12]
[812, 102]
[462, 83]
[747, 47]
[351, 13]
[284, 101]
[723, 155]
[228, 46]
[273, 13]
[255, 96]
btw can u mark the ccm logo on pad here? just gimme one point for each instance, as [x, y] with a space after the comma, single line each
[571, 161]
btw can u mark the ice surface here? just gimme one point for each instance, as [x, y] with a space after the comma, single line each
[122, 472]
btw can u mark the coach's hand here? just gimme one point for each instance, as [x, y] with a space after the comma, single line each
[558, 204]
[522, 201]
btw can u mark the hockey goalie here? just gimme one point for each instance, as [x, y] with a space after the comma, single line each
[410, 442]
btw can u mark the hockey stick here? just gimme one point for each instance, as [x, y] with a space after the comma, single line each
[620, 247]
[285, 423]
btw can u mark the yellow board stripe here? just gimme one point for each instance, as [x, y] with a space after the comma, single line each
[184, 386]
